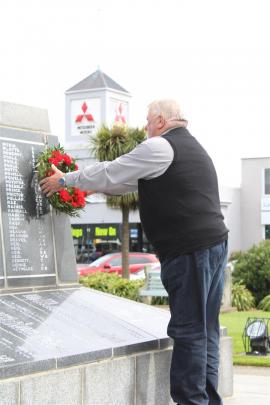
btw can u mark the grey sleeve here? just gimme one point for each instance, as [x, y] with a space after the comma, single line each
[148, 160]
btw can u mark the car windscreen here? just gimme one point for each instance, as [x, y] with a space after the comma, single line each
[100, 260]
[139, 260]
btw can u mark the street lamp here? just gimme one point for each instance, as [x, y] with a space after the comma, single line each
[255, 336]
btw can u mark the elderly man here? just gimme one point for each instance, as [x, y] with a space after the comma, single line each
[181, 217]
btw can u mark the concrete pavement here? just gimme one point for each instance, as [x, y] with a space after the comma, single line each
[251, 386]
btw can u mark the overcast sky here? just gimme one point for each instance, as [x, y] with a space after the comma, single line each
[212, 56]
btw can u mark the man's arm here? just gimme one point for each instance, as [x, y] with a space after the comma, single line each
[148, 160]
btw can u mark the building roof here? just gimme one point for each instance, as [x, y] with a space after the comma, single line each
[97, 80]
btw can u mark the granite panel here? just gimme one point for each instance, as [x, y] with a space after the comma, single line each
[150, 319]
[165, 343]
[81, 358]
[26, 218]
[64, 328]
[16, 133]
[34, 281]
[17, 356]
[9, 393]
[12, 348]
[65, 256]
[152, 378]
[142, 346]
[45, 332]
[18, 370]
[110, 382]
[93, 320]
[52, 140]
[61, 388]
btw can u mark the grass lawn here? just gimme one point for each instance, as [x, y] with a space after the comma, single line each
[235, 323]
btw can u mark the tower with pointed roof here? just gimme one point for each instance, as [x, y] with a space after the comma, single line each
[94, 101]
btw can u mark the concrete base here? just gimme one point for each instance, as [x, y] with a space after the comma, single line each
[140, 379]
[225, 386]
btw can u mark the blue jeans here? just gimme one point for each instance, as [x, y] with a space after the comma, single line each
[194, 283]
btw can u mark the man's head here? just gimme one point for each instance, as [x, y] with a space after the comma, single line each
[163, 115]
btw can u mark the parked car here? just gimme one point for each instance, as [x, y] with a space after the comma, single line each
[112, 263]
[104, 247]
[140, 274]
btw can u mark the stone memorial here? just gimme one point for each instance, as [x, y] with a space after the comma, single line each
[227, 293]
[62, 344]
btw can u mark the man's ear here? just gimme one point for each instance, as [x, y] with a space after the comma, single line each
[161, 122]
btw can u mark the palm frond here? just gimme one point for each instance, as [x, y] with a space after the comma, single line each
[110, 143]
[135, 137]
[129, 200]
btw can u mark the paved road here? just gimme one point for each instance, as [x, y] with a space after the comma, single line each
[251, 386]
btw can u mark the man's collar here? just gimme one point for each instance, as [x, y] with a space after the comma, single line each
[170, 129]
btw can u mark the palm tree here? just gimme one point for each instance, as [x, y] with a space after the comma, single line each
[107, 145]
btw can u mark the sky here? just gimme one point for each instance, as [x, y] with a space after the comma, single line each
[212, 56]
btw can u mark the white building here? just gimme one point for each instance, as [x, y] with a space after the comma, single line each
[247, 209]
[94, 101]
[98, 100]
[255, 201]
[231, 209]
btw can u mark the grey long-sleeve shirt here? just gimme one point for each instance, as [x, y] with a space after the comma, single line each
[148, 160]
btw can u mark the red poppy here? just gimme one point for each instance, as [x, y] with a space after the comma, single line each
[64, 195]
[67, 159]
[56, 154]
[54, 161]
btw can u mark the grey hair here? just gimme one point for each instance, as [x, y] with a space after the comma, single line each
[168, 109]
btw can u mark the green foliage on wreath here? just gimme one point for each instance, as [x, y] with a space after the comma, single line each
[66, 164]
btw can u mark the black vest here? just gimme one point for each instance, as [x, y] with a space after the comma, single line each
[180, 210]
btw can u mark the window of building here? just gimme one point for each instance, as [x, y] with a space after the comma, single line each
[266, 181]
[267, 232]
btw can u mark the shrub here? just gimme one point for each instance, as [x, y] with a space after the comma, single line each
[235, 255]
[264, 304]
[113, 284]
[242, 298]
[253, 268]
[159, 301]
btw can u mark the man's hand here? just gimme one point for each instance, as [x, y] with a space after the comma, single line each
[50, 185]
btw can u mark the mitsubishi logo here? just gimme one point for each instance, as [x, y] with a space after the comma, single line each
[119, 117]
[80, 117]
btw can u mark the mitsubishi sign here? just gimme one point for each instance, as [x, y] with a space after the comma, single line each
[85, 116]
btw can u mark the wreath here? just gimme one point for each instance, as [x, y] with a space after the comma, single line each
[69, 200]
